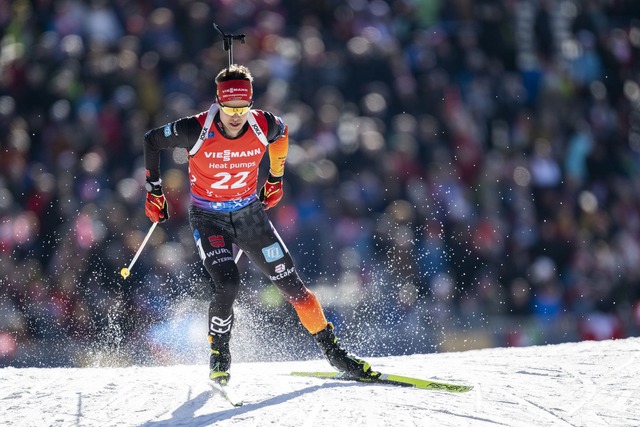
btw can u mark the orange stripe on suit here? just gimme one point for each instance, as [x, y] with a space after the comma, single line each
[310, 312]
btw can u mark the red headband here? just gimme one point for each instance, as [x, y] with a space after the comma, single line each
[235, 90]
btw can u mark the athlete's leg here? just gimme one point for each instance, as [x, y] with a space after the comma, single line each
[214, 245]
[261, 242]
[259, 239]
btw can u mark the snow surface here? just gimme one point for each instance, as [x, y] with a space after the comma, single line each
[577, 384]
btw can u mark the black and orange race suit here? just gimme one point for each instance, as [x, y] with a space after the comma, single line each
[225, 209]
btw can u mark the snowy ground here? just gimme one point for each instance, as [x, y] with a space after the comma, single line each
[582, 384]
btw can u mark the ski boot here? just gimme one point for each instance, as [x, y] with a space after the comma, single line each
[220, 359]
[339, 358]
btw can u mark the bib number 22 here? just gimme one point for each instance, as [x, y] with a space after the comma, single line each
[228, 181]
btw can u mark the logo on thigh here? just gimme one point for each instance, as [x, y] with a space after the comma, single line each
[216, 241]
[273, 252]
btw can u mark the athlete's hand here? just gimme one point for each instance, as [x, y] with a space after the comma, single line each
[271, 192]
[156, 207]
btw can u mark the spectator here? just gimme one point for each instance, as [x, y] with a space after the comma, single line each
[420, 134]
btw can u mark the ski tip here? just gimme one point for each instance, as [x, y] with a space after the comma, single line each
[226, 394]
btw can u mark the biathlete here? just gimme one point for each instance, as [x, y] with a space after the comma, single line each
[225, 146]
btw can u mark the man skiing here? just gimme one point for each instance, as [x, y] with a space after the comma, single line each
[225, 146]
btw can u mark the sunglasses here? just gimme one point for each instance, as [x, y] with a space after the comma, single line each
[234, 110]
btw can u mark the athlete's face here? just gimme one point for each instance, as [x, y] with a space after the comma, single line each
[233, 115]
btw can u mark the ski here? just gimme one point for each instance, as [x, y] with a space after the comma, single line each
[389, 379]
[225, 393]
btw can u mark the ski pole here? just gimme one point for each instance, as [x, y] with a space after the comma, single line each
[127, 270]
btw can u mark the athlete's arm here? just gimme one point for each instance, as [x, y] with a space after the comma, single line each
[278, 137]
[183, 133]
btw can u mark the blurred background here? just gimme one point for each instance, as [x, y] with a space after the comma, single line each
[462, 174]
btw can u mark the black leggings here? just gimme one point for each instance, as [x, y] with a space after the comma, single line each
[251, 230]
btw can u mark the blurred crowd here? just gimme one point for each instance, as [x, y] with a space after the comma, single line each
[451, 163]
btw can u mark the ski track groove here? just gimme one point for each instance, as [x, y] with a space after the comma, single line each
[590, 401]
[473, 418]
[554, 418]
[622, 399]
[515, 387]
[589, 388]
